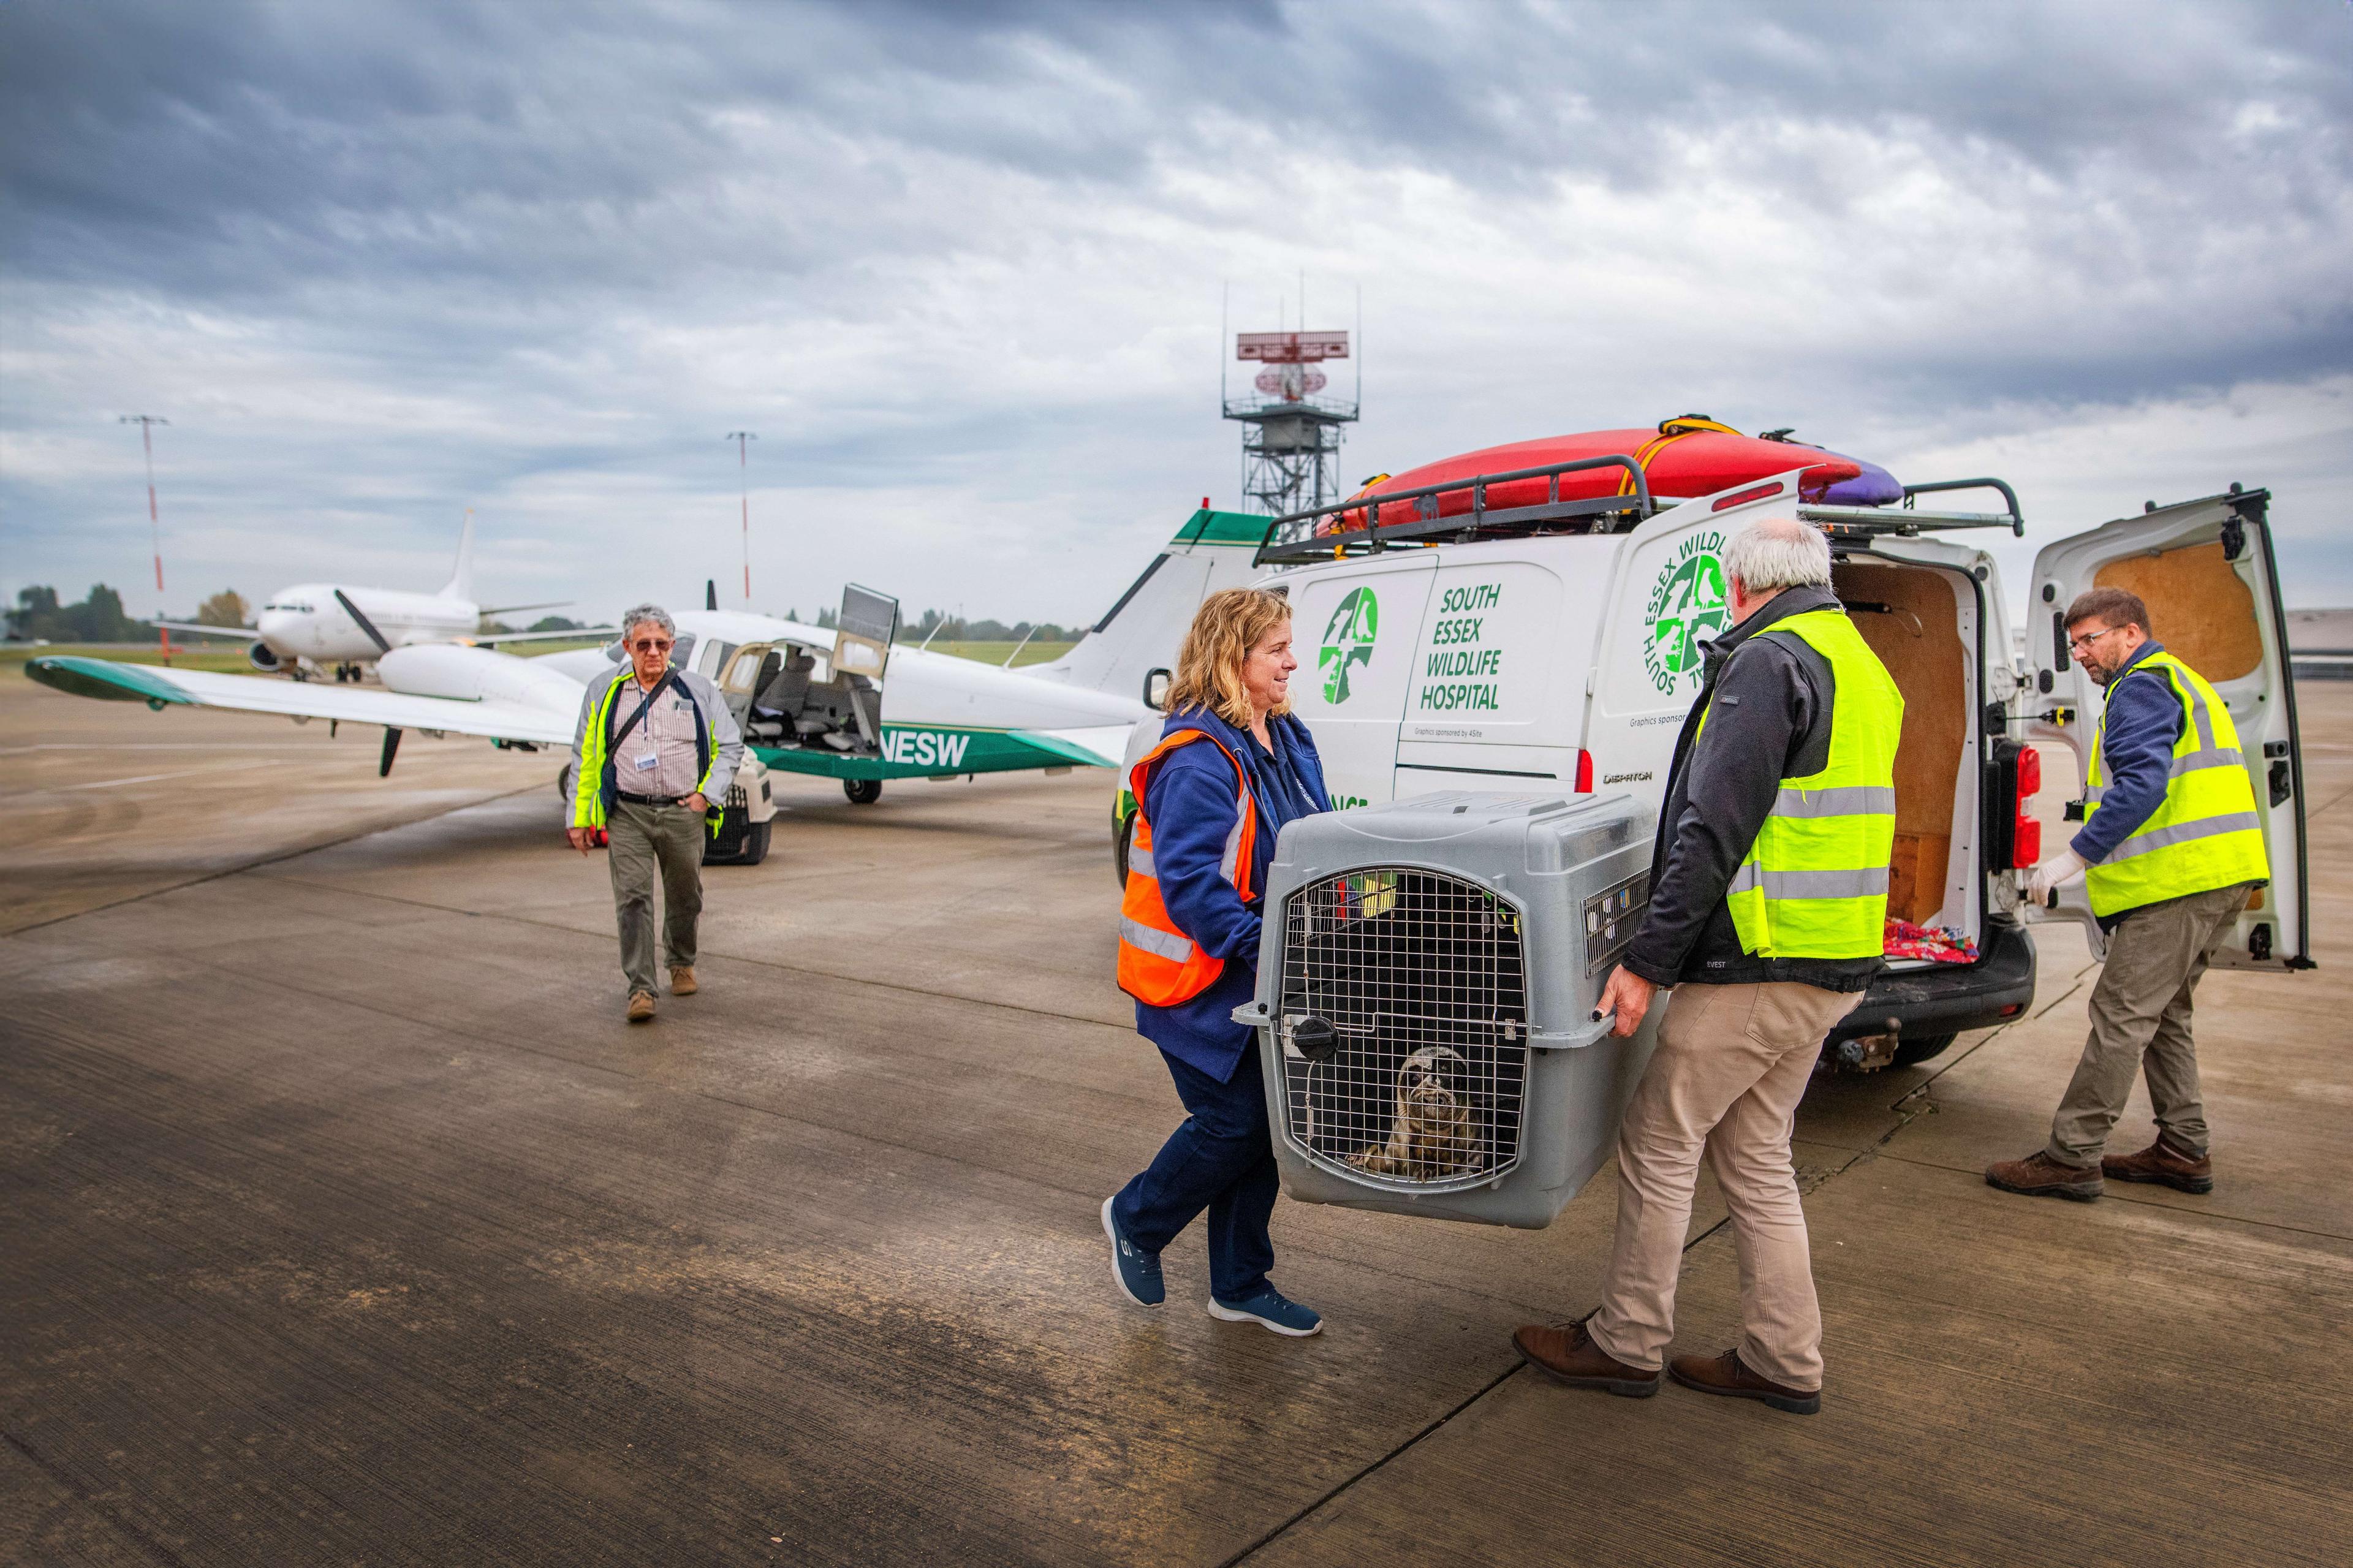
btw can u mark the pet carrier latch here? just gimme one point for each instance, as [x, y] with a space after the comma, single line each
[1253, 1014]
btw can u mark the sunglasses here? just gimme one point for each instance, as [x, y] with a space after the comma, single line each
[647, 644]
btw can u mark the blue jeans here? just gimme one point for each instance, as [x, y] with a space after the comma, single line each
[1221, 1160]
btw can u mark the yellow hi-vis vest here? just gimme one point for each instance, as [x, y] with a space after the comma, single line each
[2206, 834]
[1158, 965]
[593, 791]
[1814, 884]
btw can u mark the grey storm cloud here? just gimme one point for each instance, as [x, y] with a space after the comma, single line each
[519, 245]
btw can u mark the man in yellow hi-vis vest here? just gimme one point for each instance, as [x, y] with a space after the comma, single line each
[1767, 915]
[654, 753]
[2171, 848]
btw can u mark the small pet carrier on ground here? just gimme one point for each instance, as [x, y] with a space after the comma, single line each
[1426, 989]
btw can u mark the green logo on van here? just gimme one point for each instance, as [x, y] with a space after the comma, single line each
[1347, 641]
[1688, 605]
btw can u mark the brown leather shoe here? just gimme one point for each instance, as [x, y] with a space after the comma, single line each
[1728, 1374]
[1569, 1355]
[2161, 1162]
[681, 981]
[641, 1007]
[2040, 1176]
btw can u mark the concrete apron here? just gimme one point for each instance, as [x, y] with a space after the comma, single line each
[350, 1221]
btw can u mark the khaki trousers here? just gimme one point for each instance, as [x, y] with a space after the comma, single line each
[646, 838]
[2140, 1024]
[1730, 1064]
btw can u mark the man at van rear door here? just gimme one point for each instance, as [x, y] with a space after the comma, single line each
[1768, 909]
[2170, 848]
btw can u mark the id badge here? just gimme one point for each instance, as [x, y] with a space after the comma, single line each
[644, 765]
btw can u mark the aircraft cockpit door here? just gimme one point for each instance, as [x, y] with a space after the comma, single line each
[861, 654]
[2207, 573]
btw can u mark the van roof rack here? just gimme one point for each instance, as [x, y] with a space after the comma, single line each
[1855, 523]
[1292, 539]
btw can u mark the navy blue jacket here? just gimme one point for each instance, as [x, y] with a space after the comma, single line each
[2143, 726]
[1190, 801]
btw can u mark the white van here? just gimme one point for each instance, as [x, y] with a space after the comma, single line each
[1557, 647]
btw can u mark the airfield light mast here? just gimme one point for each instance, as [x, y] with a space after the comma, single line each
[1290, 437]
[741, 438]
[147, 423]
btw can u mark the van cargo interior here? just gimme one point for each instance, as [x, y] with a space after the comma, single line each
[1922, 622]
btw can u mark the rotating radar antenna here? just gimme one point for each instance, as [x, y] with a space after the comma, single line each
[1291, 433]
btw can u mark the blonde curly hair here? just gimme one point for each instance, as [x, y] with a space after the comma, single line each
[1228, 624]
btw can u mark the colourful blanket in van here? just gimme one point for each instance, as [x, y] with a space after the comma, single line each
[1935, 944]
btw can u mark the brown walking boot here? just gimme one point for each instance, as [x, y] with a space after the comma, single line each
[2040, 1176]
[1728, 1374]
[681, 981]
[641, 1007]
[1569, 1355]
[2162, 1162]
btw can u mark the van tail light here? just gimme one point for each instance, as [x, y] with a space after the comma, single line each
[1584, 771]
[2026, 843]
[2026, 835]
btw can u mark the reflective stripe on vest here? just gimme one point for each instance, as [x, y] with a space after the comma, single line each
[2206, 833]
[1158, 965]
[1814, 884]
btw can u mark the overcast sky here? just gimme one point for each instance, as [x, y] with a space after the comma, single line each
[960, 266]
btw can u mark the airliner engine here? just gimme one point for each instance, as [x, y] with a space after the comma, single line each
[262, 656]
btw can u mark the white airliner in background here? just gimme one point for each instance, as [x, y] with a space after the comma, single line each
[314, 626]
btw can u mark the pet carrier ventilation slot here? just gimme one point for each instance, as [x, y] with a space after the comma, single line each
[1426, 987]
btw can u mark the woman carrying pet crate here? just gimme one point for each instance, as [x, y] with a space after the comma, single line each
[1233, 765]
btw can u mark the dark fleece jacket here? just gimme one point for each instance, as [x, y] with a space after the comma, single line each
[1773, 704]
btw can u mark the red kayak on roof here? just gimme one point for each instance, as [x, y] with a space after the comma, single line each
[1688, 455]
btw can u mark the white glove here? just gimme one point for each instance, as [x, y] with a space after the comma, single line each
[2063, 867]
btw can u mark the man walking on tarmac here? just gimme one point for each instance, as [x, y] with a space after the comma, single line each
[654, 743]
[2169, 851]
[1769, 905]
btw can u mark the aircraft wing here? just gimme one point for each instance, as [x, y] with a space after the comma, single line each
[581, 634]
[159, 688]
[206, 630]
[1098, 746]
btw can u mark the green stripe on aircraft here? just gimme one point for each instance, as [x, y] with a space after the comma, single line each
[103, 677]
[932, 751]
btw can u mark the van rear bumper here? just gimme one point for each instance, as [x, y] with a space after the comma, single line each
[1950, 998]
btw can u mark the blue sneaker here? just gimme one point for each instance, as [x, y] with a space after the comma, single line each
[1272, 1311]
[1137, 1271]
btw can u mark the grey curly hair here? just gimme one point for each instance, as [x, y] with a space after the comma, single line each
[642, 614]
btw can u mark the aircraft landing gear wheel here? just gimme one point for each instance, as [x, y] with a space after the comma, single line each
[1122, 840]
[862, 791]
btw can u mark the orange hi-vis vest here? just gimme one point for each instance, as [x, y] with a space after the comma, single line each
[1158, 965]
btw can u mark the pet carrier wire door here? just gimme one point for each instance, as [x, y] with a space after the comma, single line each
[1425, 989]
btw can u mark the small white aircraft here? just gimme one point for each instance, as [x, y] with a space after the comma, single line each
[840, 703]
[313, 626]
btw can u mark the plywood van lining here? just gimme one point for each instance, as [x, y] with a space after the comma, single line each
[1911, 619]
[2205, 611]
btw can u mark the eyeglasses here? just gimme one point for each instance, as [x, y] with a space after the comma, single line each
[2077, 644]
[647, 644]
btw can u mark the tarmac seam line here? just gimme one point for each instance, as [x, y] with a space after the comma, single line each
[264, 860]
[1493, 1384]
[2125, 1197]
[65, 1480]
[730, 957]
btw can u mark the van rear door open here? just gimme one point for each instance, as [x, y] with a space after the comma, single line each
[2207, 571]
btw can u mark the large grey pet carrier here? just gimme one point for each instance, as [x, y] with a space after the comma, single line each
[1426, 990]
